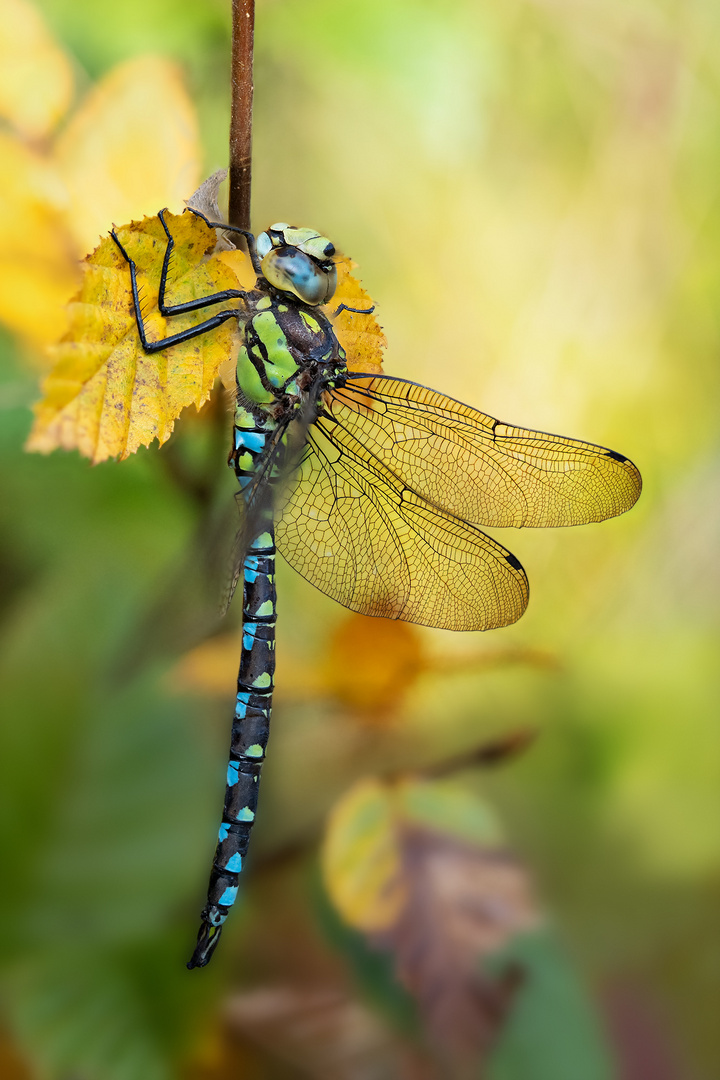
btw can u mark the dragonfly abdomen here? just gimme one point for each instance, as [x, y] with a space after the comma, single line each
[251, 724]
[250, 731]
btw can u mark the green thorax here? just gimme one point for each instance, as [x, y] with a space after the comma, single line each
[286, 347]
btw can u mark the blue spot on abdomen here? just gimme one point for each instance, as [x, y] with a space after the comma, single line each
[228, 897]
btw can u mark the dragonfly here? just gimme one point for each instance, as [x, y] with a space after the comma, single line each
[373, 488]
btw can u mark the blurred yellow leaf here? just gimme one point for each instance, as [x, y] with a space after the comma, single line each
[105, 395]
[210, 667]
[370, 663]
[130, 149]
[360, 335]
[36, 79]
[362, 851]
[116, 159]
[361, 858]
[38, 270]
[420, 868]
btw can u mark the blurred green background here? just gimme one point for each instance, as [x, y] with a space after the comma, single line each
[530, 190]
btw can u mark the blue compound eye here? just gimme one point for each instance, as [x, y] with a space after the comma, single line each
[291, 270]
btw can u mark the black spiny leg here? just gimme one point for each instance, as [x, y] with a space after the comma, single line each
[191, 305]
[249, 237]
[177, 309]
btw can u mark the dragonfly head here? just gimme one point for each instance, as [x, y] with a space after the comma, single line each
[298, 261]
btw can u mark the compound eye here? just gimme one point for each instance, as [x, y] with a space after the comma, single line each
[263, 244]
[292, 271]
[331, 279]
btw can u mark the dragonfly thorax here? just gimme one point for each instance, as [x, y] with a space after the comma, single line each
[299, 262]
[286, 347]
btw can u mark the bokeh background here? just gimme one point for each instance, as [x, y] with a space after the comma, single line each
[530, 190]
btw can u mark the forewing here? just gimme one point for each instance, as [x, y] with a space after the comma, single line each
[480, 469]
[378, 547]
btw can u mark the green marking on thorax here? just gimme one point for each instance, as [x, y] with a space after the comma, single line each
[280, 365]
[268, 329]
[244, 418]
[249, 380]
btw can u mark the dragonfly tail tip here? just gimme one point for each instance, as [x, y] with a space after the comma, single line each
[208, 937]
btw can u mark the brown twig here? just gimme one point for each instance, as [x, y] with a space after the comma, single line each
[243, 34]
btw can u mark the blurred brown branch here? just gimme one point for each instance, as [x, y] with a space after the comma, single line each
[243, 35]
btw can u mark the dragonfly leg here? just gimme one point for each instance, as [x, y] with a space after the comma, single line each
[354, 310]
[184, 335]
[249, 237]
[190, 305]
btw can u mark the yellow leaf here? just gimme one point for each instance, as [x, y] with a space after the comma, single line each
[361, 858]
[420, 868]
[363, 863]
[240, 265]
[360, 335]
[105, 395]
[371, 663]
[36, 80]
[131, 148]
[38, 271]
[209, 668]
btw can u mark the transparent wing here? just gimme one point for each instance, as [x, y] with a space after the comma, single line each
[478, 468]
[350, 527]
[272, 477]
[257, 503]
